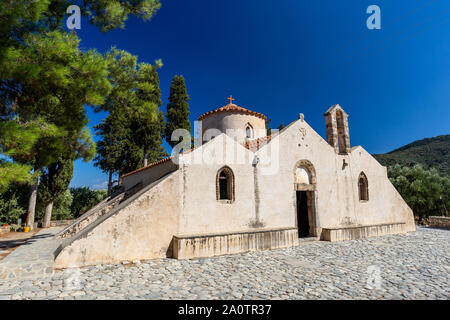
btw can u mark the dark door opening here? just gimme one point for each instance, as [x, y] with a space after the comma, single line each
[302, 214]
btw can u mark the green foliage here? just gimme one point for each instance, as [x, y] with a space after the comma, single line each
[85, 147]
[13, 200]
[13, 172]
[109, 15]
[116, 151]
[54, 80]
[21, 17]
[177, 113]
[69, 205]
[44, 76]
[147, 129]
[430, 153]
[84, 199]
[30, 142]
[55, 180]
[10, 209]
[268, 127]
[61, 207]
[45, 82]
[132, 130]
[425, 191]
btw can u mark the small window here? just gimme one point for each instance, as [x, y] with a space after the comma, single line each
[363, 186]
[249, 132]
[225, 184]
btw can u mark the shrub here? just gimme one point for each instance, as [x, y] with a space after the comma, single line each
[426, 192]
[84, 199]
[10, 209]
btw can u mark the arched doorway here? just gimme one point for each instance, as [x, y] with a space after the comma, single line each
[305, 194]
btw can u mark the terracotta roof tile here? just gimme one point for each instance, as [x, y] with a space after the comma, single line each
[148, 166]
[157, 163]
[231, 107]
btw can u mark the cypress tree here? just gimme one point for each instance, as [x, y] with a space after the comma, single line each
[148, 130]
[177, 109]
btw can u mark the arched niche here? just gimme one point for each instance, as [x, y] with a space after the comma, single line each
[304, 175]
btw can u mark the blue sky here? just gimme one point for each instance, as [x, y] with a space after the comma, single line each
[282, 58]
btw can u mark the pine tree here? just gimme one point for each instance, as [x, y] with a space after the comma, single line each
[55, 81]
[44, 77]
[177, 114]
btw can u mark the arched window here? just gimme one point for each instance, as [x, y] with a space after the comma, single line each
[363, 187]
[225, 184]
[249, 131]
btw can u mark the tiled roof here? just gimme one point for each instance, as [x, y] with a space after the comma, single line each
[255, 144]
[148, 166]
[156, 163]
[231, 107]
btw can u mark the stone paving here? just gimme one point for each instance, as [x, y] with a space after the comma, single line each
[411, 266]
[32, 259]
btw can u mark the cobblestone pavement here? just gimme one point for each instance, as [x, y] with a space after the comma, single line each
[411, 266]
[32, 259]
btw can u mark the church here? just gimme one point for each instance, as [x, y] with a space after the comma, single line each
[241, 190]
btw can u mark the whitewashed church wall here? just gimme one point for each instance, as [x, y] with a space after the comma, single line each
[336, 197]
[278, 203]
[237, 121]
[201, 211]
[148, 175]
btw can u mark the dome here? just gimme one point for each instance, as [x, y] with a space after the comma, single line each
[235, 121]
[232, 108]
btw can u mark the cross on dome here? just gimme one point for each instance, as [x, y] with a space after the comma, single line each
[231, 99]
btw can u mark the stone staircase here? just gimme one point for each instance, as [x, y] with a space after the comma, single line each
[97, 212]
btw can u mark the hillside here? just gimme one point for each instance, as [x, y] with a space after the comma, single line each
[430, 152]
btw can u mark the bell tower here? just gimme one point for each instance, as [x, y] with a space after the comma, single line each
[336, 122]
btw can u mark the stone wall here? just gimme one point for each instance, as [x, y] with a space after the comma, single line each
[187, 247]
[60, 223]
[355, 233]
[440, 222]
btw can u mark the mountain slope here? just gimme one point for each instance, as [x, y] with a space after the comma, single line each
[430, 152]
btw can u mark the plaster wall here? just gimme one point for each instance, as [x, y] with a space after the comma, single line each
[201, 211]
[142, 228]
[148, 175]
[336, 198]
[237, 122]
